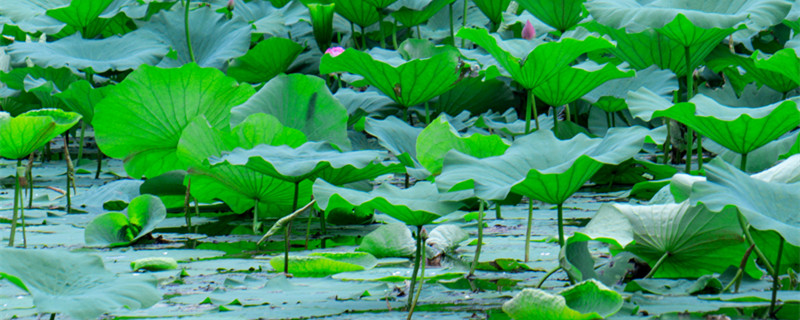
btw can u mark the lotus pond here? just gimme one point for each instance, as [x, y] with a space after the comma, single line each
[399, 159]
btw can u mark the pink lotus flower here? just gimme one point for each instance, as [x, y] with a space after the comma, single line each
[230, 5]
[334, 51]
[528, 32]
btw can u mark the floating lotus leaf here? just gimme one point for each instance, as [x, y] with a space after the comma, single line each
[75, 284]
[323, 264]
[696, 241]
[439, 137]
[416, 206]
[115, 229]
[586, 300]
[23, 134]
[142, 120]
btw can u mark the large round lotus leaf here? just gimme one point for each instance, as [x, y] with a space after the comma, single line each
[543, 62]
[573, 82]
[540, 166]
[586, 300]
[408, 84]
[397, 136]
[766, 205]
[493, 9]
[215, 39]
[698, 241]
[774, 70]
[360, 12]
[144, 213]
[301, 102]
[308, 161]
[439, 137]
[114, 53]
[75, 284]
[81, 97]
[21, 135]
[561, 15]
[239, 187]
[389, 240]
[266, 60]
[739, 129]
[416, 206]
[322, 264]
[662, 82]
[141, 121]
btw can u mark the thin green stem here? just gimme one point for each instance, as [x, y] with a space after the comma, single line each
[452, 29]
[380, 28]
[421, 281]
[308, 230]
[667, 142]
[427, 113]
[464, 22]
[99, 164]
[497, 211]
[52, 316]
[608, 119]
[549, 273]
[363, 39]
[737, 279]
[749, 237]
[743, 164]
[394, 34]
[70, 172]
[186, 29]
[80, 146]
[353, 34]
[417, 258]
[531, 111]
[776, 280]
[480, 241]
[419, 33]
[657, 265]
[689, 149]
[689, 95]
[188, 216]
[29, 177]
[15, 215]
[528, 230]
[555, 118]
[560, 207]
[699, 152]
[288, 230]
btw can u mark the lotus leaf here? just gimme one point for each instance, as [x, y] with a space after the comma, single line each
[360, 12]
[80, 97]
[75, 284]
[416, 206]
[561, 15]
[115, 229]
[610, 96]
[143, 118]
[390, 240]
[439, 137]
[586, 300]
[29, 131]
[398, 137]
[493, 9]
[322, 264]
[573, 82]
[758, 67]
[266, 60]
[410, 17]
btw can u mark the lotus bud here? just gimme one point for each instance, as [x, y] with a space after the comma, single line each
[423, 233]
[334, 51]
[230, 5]
[528, 32]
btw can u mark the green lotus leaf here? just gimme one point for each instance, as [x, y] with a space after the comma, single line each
[562, 15]
[784, 62]
[301, 102]
[766, 205]
[75, 284]
[400, 139]
[36, 87]
[696, 241]
[143, 118]
[167, 184]
[741, 130]
[772, 71]
[544, 62]
[360, 12]
[511, 127]
[80, 97]
[439, 137]
[80, 13]
[322, 23]
[688, 34]
[416, 206]
[115, 229]
[322, 264]
[31, 16]
[308, 161]
[610, 96]
[239, 187]
[493, 9]
[266, 60]
[23, 134]
[768, 242]
[410, 17]
[586, 300]
[476, 95]
[676, 287]
[114, 53]
[361, 104]
[389, 240]
[540, 166]
[573, 82]
[215, 39]
[644, 104]
[409, 84]
[759, 159]
[381, 4]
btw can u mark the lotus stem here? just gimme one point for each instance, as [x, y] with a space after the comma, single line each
[531, 109]
[776, 280]
[608, 119]
[743, 164]
[549, 273]
[480, 241]
[186, 199]
[15, 215]
[657, 265]
[308, 231]
[421, 279]
[380, 28]
[417, 258]
[419, 33]
[353, 34]
[667, 143]
[288, 230]
[427, 113]
[363, 39]
[737, 279]
[283, 221]
[613, 119]
[80, 146]
[464, 22]
[689, 149]
[555, 118]
[186, 29]
[560, 207]
[394, 34]
[29, 177]
[99, 163]
[699, 152]
[70, 171]
[528, 230]
[52, 316]
[567, 113]
[452, 30]
[749, 237]
[497, 211]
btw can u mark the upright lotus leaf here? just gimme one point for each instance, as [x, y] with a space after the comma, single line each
[360, 12]
[389, 240]
[80, 97]
[638, 15]
[23, 134]
[35, 87]
[301, 102]
[540, 166]
[80, 13]
[493, 9]
[265, 61]
[766, 205]
[688, 34]
[239, 187]
[113, 53]
[573, 82]
[416, 206]
[115, 229]
[644, 103]
[773, 71]
[562, 15]
[409, 84]
[215, 39]
[308, 161]
[476, 94]
[381, 4]
[400, 139]
[439, 137]
[586, 300]
[31, 16]
[410, 17]
[647, 47]
[142, 120]
[784, 62]
[75, 284]
[741, 130]
[322, 22]
[689, 241]
[611, 95]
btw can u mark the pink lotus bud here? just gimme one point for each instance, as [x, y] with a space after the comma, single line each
[230, 5]
[334, 51]
[528, 32]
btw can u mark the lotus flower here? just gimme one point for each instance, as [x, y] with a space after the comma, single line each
[528, 32]
[230, 5]
[334, 51]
